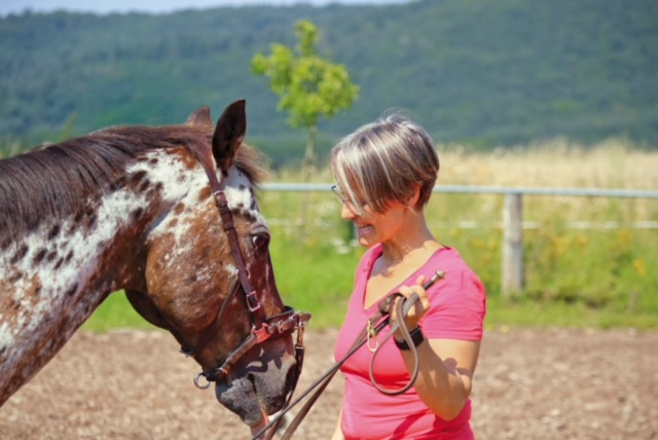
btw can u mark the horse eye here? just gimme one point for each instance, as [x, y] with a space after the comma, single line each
[261, 241]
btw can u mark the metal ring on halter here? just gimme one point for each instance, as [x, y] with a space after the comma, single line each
[197, 382]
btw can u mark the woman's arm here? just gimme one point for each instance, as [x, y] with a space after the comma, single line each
[445, 377]
[446, 366]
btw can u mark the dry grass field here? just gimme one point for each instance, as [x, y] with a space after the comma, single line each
[556, 164]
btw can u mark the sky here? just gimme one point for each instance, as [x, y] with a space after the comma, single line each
[155, 6]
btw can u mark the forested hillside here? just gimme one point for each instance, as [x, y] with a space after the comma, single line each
[483, 72]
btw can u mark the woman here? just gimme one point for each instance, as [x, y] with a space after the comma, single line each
[385, 173]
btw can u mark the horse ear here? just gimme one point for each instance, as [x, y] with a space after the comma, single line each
[200, 118]
[229, 133]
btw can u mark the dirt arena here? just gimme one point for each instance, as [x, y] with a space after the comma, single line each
[530, 385]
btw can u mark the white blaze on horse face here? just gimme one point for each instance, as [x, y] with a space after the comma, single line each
[196, 210]
[239, 194]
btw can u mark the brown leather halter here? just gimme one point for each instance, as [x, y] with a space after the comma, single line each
[263, 327]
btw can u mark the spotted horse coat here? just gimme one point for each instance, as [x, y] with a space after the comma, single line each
[131, 208]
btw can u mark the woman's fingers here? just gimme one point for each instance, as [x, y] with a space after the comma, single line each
[420, 306]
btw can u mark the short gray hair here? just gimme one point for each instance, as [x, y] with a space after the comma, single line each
[386, 161]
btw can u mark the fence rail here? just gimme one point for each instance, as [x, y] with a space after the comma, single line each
[513, 272]
[469, 189]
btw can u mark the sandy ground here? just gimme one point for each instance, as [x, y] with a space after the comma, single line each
[530, 385]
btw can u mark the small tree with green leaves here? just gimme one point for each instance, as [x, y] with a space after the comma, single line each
[309, 86]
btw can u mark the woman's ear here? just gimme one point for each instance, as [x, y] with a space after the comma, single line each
[412, 200]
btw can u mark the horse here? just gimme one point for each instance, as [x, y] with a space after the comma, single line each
[167, 214]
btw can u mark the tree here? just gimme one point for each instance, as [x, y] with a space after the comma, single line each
[309, 86]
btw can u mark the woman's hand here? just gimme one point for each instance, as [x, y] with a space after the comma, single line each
[419, 308]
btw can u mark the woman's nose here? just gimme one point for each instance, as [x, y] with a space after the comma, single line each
[347, 212]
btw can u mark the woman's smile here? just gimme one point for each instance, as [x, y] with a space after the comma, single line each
[365, 230]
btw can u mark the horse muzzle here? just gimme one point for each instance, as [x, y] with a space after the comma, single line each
[261, 377]
[260, 386]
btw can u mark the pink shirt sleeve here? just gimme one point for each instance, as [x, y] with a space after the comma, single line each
[457, 302]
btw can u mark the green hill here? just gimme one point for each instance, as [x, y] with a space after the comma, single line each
[484, 72]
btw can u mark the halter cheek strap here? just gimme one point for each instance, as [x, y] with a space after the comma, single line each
[262, 327]
[227, 221]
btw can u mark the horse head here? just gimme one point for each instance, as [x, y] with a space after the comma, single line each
[209, 280]
[170, 216]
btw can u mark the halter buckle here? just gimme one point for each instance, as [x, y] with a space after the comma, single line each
[252, 301]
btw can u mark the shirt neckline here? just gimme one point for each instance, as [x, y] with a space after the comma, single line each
[377, 251]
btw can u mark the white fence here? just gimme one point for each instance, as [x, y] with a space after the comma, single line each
[513, 272]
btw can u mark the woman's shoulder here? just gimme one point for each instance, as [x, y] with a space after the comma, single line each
[458, 300]
[448, 259]
[456, 270]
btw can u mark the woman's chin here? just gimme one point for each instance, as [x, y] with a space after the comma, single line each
[367, 236]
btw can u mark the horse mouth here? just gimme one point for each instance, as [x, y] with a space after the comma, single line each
[254, 396]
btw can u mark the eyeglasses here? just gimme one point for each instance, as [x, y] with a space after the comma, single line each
[339, 193]
[346, 201]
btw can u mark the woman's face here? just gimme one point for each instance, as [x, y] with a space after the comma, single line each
[373, 227]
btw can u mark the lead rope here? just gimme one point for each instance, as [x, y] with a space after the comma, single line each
[372, 328]
[273, 425]
[321, 383]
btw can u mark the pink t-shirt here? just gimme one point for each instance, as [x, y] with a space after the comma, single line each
[457, 310]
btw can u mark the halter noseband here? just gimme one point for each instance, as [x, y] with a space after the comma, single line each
[262, 327]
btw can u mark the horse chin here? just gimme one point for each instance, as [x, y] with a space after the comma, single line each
[258, 389]
[242, 397]
[239, 396]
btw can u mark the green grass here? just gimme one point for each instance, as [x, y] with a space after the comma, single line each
[116, 312]
[504, 313]
[600, 278]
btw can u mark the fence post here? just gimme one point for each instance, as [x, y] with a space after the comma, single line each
[513, 278]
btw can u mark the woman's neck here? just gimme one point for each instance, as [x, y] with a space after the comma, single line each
[416, 241]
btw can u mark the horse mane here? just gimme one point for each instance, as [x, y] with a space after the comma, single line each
[58, 179]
